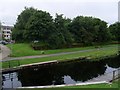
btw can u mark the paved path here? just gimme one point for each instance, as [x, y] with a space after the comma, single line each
[49, 55]
[4, 52]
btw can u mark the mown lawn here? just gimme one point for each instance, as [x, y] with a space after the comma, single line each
[24, 49]
[106, 51]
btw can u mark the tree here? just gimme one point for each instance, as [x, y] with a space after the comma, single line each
[39, 27]
[115, 31]
[33, 24]
[103, 33]
[81, 29]
[20, 25]
[88, 30]
[61, 27]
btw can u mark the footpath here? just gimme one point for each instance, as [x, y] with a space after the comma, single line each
[4, 52]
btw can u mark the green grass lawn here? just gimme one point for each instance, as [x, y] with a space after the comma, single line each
[107, 51]
[23, 49]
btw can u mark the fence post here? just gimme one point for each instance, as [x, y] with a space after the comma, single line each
[18, 63]
[118, 73]
[113, 75]
[9, 63]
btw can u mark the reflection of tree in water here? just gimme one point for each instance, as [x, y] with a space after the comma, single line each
[113, 62]
[31, 77]
[54, 74]
[45, 75]
[85, 70]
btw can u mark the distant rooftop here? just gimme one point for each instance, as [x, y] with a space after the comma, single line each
[7, 26]
[4, 24]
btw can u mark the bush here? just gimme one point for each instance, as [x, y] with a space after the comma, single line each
[39, 46]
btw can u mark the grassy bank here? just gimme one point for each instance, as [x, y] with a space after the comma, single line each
[96, 53]
[23, 49]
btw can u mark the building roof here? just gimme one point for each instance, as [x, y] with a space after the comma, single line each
[2, 26]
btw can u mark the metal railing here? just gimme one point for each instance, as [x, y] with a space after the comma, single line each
[116, 74]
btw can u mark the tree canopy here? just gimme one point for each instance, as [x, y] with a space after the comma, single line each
[115, 31]
[37, 25]
[88, 30]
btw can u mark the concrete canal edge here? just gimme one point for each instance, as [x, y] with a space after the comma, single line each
[55, 86]
[6, 70]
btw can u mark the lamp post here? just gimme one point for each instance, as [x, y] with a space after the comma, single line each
[0, 35]
[119, 22]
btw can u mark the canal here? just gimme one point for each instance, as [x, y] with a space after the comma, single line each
[73, 72]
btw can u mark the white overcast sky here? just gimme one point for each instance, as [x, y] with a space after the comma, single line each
[106, 10]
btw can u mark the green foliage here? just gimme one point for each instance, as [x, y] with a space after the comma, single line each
[39, 27]
[20, 26]
[88, 30]
[115, 31]
[39, 46]
[60, 32]
[63, 36]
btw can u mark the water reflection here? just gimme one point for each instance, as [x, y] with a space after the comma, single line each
[113, 62]
[66, 73]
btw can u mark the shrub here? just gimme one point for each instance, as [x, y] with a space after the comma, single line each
[39, 46]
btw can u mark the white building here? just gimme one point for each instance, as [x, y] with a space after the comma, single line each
[6, 32]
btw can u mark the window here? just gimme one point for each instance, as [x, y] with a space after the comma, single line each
[4, 28]
[8, 28]
[8, 32]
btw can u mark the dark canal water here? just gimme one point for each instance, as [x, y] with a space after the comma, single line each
[61, 73]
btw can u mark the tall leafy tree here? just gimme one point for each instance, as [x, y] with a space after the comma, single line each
[39, 27]
[80, 28]
[20, 25]
[115, 31]
[87, 30]
[61, 26]
[103, 33]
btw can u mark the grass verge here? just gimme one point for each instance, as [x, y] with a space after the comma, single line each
[23, 49]
[106, 51]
